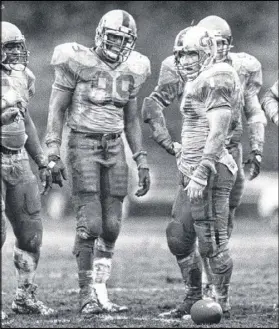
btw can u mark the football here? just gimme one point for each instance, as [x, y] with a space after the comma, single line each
[206, 312]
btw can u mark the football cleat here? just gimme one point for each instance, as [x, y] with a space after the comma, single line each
[25, 302]
[105, 303]
[91, 307]
[182, 311]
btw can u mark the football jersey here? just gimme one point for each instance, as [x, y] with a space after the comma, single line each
[22, 83]
[100, 92]
[170, 85]
[216, 87]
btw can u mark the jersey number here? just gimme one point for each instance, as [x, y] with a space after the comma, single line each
[108, 90]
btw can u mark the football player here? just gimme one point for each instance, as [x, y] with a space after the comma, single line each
[99, 87]
[270, 103]
[170, 87]
[20, 195]
[210, 111]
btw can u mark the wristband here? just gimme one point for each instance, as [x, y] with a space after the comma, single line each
[137, 154]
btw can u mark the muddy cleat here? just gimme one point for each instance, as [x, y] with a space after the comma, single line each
[208, 292]
[182, 311]
[4, 316]
[91, 307]
[25, 302]
[105, 303]
[114, 308]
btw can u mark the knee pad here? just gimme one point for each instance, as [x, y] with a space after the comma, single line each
[204, 231]
[180, 242]
[112, 215]
[29, 234]
[89, 216]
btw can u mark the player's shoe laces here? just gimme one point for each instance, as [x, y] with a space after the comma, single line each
[4, 316]
[105, 303]
[25, 302]
[181, 311]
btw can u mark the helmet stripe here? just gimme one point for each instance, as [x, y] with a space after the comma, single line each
[126, 19]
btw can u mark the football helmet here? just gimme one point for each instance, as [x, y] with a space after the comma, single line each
[14, 54]
[116, 35]
[222, 33]
[195, 50]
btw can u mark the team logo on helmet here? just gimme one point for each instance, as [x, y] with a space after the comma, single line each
[116, 35]
[14, 54]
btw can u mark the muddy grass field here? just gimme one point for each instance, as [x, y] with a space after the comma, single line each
[146, 277]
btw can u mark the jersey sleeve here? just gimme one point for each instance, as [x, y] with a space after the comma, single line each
[169, 86]
[274, 90]
[63, 63]
[253, 69]
[31, 82]
[219, 91]
[143, 71]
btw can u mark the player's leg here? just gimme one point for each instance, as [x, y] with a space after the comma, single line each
[24, 205]
[235, 199]
[213, 234]
[114, 186]
[238, 188]
[86, 198]
[181, 238]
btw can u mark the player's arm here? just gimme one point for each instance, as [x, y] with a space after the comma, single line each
[58, 104]
[270, 103]
[134, 138]
[168, 89]
[254, 114]
[34, 149]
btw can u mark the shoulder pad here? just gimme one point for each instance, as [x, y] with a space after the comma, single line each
[248, 62]
[139, 64]
[220, 75]
[168, 72]
[67, 51]
[30, 75]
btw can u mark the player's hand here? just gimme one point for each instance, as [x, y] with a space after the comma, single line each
[144, 181]
[10, 115]
[58, 170]
[46, 179]
[254, 162]
[194, 191]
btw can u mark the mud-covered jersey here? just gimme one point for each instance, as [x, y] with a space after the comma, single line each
[270, 101]
[22, 83]
[100, 92]
[249, 71]
[215, 88]
[169, 86]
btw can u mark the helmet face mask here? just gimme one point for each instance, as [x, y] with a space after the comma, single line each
[195, 50]
[222, 32]
[116, 36]
[14, 54]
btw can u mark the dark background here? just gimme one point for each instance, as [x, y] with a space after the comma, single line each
[46, 24]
